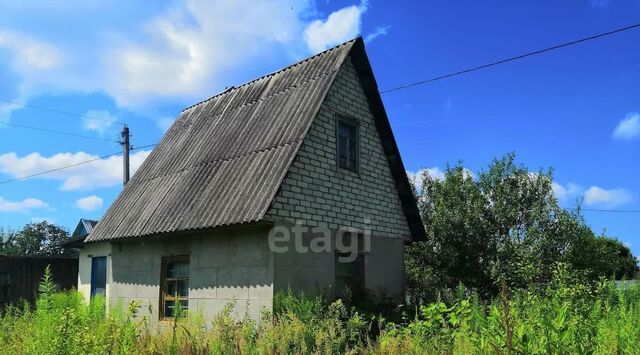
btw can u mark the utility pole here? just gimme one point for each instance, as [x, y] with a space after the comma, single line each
[125, 154]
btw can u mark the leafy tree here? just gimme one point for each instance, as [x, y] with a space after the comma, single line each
[601, 256]
[35, 239]
[503, 226]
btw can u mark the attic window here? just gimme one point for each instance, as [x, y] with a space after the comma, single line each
[348, 141]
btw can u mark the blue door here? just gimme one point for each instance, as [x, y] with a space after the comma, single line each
[98, 275]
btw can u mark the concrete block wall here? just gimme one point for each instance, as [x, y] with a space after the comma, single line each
[84, 267]
[384, 268]
[317, 191]
[233, 266]
[309, 273]
[312, 273]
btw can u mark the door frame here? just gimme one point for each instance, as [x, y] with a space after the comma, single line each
[93, 273]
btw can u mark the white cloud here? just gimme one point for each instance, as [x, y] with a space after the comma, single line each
[33, 60]
[416, 176]
[21, 206]
[628, 128]
[568, 193]
[98, 121]
[379, 31]
[5, 111]
[434, 172]
[608, 198]
[164, 123]
[30, 53]
[188, 49]
[100, 173]
[340, 26]
[89, 203]
[43, 219]
[173, 54]
[183, 52]
[564, 193]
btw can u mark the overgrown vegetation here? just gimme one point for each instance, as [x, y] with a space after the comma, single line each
[503, 225]
[566, 316]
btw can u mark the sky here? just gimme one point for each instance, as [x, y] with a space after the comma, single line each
[576, 110]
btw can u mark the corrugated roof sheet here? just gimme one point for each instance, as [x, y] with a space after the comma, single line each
[89, 224]
[84, 227]
[223, 160]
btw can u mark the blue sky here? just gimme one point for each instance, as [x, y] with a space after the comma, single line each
[575, 109]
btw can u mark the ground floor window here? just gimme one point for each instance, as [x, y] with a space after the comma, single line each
[174, 286]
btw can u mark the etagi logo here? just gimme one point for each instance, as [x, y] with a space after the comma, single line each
[347, 242]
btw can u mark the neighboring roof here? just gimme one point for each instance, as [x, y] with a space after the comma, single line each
[84, 227]
[224, 159]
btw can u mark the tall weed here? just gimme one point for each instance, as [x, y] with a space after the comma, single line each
[563, 317]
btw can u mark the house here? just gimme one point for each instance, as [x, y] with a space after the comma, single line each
[290, 181]
[80, 233]
[83, 228]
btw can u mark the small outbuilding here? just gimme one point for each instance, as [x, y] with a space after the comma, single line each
[290, 181]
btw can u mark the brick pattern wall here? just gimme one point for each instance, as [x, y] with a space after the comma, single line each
[317, 191]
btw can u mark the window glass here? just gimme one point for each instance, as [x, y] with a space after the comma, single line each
[175, 286]
[347, 145]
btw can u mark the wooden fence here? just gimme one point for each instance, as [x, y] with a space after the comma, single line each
[20, 276]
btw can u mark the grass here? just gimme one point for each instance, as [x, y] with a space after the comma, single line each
[559, 318]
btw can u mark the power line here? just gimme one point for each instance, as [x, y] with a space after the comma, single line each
[57, 132]
[71, 166]
[154, 144]
[144, 146]
[58, 169]
[611, 211]
[511, 59]
[42, 108]
[405, 86]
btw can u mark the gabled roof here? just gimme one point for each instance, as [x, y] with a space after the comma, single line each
[224, 159]
[84, 227]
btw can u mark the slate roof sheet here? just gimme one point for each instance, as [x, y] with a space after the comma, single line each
[223, 160]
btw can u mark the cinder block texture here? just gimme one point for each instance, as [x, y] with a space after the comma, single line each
[224, 267]
[316, 191]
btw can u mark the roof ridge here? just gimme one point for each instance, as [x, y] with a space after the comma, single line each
[232, 88]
